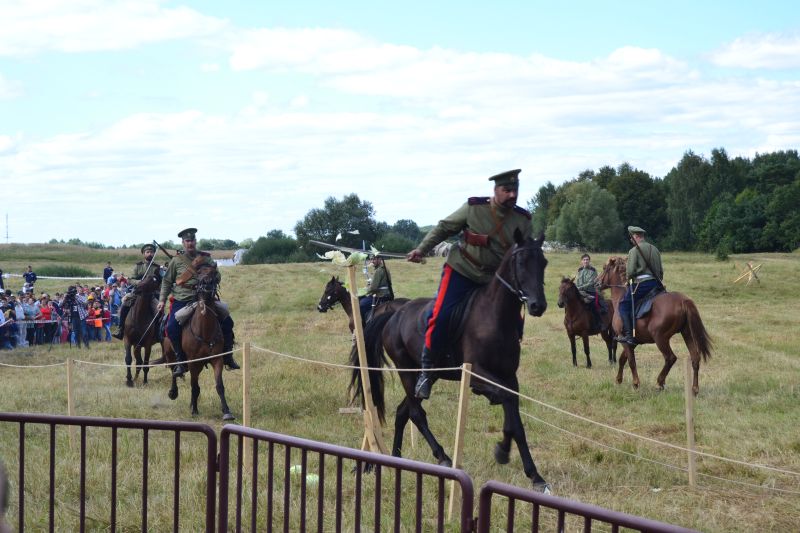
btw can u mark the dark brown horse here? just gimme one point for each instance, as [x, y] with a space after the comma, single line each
[491, 342]
[579, 322]
[141, 329]
[672, 312]
[335, 292]
[201, 338]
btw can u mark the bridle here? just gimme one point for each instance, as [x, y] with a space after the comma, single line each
[602, 277]
[206, 286]
[326, 299]
[518, 292]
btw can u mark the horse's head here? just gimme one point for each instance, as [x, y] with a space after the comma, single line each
[148, 284]
[332, 295]
[566, 291]
[207, 281]
[613, 274]
[525, 267]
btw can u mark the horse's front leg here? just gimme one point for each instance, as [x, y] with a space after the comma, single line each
[586, 351]
[173, 390]
[146, 368]
[128, 362]
[137, 351]
[632, 364]
[623, 359]
[573, 349]
[513, 429]
[226, 412]
[195, 372]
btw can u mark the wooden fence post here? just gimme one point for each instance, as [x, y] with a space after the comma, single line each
[461, 423]
[70, 402]
[372, 424]
[248, 443]
[690, 420]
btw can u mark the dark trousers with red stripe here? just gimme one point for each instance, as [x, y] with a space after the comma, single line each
[453, 288]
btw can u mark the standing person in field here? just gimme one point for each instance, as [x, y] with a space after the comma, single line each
[107, 272]
[644, 273]
[143, 269]
[487, 225]
[379, 290]
[183, 294]
[30, 277]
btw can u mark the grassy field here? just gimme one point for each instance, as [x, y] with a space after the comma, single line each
[747, 408]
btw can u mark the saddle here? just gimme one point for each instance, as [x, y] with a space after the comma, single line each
[645, 303]
[454, 327]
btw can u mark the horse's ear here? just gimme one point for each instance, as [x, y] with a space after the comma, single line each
[518, 238]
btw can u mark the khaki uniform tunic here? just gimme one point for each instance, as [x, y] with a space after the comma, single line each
[636, 267]
[175, 268]
[482, 216]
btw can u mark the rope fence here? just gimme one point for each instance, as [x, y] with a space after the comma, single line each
[503, 388]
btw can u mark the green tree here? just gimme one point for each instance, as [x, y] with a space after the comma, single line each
[688, 199]
[588, 218]
[641, 200]
[782, 230]
[350, 218]
[408, 229]
[277, 248]
[394, 242]
[539, 206]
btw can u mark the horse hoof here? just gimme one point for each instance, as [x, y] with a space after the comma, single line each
[500, 455]
[228, 416]
[589, 365]
[172, 395]
[446, 462]
[129, 383]
[543, 487]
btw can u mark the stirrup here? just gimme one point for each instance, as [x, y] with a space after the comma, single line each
[423, 388]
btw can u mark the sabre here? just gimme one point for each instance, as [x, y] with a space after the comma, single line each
[162, 249]
[633, 309]
[139, 344]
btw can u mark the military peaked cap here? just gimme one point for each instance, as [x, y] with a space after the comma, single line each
[636, 229]
[148, 246]
[188, 233]
[510, 178]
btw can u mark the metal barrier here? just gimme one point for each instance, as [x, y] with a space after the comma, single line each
[561, 508]
[358, 502]
[61, 469]
[310, 478]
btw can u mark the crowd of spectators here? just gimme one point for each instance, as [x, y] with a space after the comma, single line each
[81, 314]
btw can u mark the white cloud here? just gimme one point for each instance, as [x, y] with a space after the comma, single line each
[89, 25]
[209, 67]
[760, 51]
[9, 89]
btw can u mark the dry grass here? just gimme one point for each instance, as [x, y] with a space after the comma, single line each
[747, 407]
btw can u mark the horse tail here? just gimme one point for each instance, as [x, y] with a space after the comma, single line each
[376, 358]
[697, 331]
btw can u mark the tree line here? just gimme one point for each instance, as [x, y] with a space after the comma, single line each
[718, 205]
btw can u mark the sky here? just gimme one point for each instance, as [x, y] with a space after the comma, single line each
[126, 121]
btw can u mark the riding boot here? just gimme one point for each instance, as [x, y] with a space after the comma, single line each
[121, 329]
[230, 364]
[626, 336]
[426, 379]
[180, 357]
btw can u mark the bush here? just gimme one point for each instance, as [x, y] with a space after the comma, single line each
[394, 242]
[266, 250]
[64, 271]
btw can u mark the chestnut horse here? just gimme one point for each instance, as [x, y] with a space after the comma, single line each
[579, 322]
[201, 338]
[672, 312]
[490, 341]
[140, 330]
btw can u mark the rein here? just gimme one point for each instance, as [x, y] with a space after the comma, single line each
[203, 307]
[519, 293]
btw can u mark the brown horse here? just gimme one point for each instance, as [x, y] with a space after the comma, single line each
[579, 322]
[335, 292]
[141, 329]
[490, 342]
[201, 338]
[672, 312]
